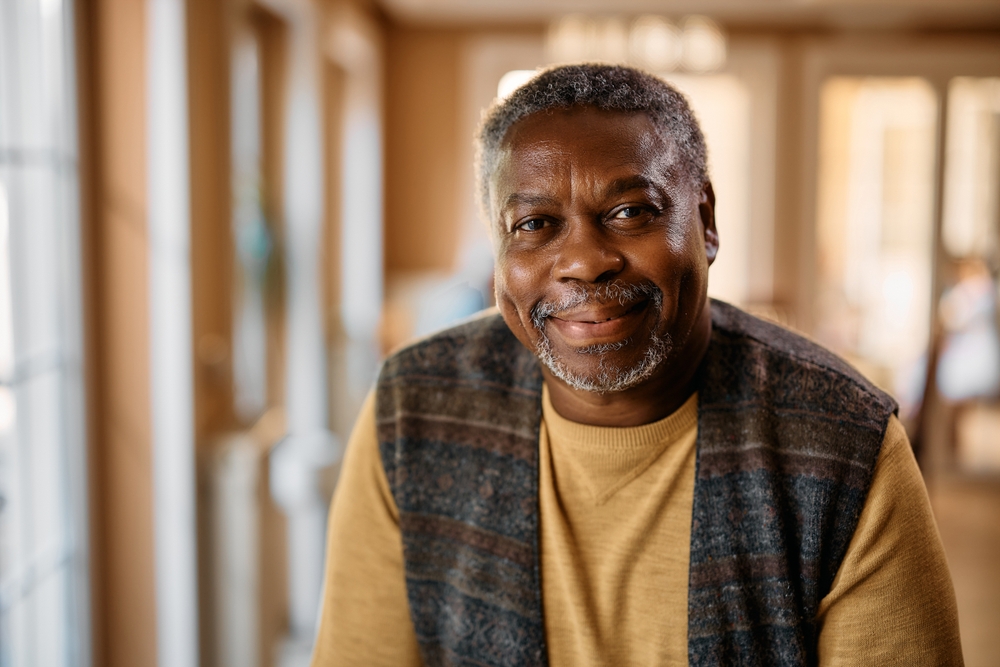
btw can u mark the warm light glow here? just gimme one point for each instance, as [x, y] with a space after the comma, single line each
[704, 46]
[898, 291]
[568, 38]
[972, 167]
[655, 43]
[651, 42]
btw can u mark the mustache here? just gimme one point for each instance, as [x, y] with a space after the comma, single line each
[580, 295]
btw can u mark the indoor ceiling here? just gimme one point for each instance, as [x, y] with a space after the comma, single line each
[792, 13]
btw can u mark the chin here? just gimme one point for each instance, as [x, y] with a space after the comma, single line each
[601, 372]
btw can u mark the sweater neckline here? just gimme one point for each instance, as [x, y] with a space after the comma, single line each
[620, 437]
[606, 458]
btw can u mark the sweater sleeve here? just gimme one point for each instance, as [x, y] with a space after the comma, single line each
[365, 618]
[892, 601]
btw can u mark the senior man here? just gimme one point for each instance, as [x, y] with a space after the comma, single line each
[616, 470]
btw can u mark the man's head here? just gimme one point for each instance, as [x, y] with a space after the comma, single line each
[593, 178]
[604, 87]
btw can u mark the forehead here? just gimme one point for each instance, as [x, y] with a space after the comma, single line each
[576, 121]
[582, 143]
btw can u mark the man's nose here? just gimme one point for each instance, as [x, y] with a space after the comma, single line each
[587, 255]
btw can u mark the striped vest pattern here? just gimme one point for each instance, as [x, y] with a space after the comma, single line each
[788, 437]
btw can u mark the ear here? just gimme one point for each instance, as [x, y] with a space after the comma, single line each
[706, 210]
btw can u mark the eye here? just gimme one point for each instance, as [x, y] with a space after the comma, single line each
[630, 212]
[531, 225]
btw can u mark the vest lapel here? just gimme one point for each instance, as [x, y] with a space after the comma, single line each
[458, 422]
[788, 436]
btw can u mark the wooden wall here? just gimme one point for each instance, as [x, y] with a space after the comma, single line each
[112, 48]
[422, 144]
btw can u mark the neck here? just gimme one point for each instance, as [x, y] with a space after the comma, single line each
[650, 401]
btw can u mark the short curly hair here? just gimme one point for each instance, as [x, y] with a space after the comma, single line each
[605, 87]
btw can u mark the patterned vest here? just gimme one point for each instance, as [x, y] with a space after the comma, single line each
[788, 437]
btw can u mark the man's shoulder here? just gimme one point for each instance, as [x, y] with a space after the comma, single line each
[765, 353]
[480, 347]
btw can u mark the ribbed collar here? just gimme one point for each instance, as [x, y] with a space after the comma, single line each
[606, 458]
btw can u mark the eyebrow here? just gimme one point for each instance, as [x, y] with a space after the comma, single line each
[522, 199]
[622, 185]
[616, 188]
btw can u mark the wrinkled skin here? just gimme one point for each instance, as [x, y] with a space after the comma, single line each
[585, 199]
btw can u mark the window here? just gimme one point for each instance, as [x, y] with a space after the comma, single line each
[252, 234]
[43, 555]
[874, 226]
[972, 167]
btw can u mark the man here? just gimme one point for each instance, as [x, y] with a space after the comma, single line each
[615, 470]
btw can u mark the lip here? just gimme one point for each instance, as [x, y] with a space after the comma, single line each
[599, 324]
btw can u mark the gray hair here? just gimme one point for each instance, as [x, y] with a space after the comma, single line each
[604, 87]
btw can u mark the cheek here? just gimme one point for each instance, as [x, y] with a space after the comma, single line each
[680, 270]
[516, 286]
[501, 290]
[519, 282]
[688, 245]
[694, 281]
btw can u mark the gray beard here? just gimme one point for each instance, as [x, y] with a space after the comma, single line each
[608, 377]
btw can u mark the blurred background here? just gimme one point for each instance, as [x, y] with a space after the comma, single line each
[218, 216]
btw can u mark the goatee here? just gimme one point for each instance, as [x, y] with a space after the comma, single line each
[608, 377]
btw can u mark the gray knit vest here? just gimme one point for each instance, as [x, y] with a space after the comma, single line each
[788, 437]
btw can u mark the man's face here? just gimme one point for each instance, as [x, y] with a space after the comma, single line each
[603, 246]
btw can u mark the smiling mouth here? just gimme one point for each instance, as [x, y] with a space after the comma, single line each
[609, 313]
[600, 326]
[582, 316]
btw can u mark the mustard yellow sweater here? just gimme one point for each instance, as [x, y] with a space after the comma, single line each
[615, 516]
